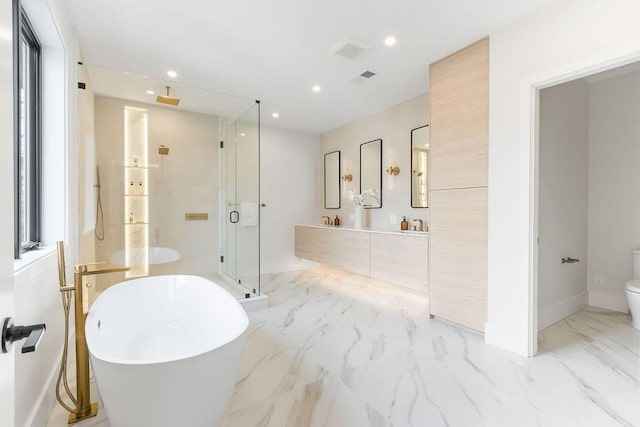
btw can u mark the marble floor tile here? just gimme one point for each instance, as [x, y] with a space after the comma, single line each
[269, 370]
[332, 351]
[325, 402]
[356, 340]
[308, 405]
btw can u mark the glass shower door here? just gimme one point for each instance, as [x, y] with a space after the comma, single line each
[241, 249]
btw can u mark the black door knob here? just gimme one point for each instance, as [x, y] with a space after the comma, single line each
[11, 333]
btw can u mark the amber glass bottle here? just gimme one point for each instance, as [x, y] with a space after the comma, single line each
[404, 225]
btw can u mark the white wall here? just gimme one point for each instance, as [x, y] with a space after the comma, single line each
[38, 301]
[289, 177]
[393, 126]
[86, 171]
[37, 298]
[569, 39]
[614, 187]
[563, 200]
[183, 181]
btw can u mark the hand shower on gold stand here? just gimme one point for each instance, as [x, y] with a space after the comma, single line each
[66, 293]
[82, 401]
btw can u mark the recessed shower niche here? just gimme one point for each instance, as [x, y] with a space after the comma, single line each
[136, 194]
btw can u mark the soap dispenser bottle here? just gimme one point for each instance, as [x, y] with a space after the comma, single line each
[404, 225]
[336, 222]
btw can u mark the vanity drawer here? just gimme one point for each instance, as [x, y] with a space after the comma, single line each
[400, 259]
[348, 250]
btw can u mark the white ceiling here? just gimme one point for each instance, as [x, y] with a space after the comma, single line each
[276, 50]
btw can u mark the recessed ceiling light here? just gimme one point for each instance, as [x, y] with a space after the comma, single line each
[390, 41]
[275, 115]
[172, 73]
[150, 92]
[316, 88]
[243, 134]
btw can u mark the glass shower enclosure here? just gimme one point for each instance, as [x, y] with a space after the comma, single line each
[179, 186]
[240, 202]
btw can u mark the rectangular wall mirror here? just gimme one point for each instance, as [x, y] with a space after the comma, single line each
[332, 180]
[371, 172]
[419, 167]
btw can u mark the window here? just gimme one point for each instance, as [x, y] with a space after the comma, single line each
[27, 134]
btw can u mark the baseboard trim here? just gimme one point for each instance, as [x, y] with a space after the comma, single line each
[46, 400]
[615, 303]
[507, 339]
[558, 311]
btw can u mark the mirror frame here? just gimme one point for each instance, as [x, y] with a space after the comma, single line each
[412, 169]
[324, 184]
[380, 172]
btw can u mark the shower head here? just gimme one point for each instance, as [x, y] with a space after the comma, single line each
[169, 100]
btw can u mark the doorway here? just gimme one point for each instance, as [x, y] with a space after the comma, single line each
[587, 182]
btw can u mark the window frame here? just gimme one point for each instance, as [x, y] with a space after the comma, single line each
[24, 33]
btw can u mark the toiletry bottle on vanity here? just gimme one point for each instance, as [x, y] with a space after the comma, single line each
[336, 221]
[404, 225]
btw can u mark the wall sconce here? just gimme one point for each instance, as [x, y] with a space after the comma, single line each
[393, 170]
[347, 177]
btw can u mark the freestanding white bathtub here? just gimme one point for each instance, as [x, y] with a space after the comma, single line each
[166, 350]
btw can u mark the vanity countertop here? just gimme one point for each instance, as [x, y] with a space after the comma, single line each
[371, 230]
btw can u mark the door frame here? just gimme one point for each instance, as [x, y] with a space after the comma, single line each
[7, 286]
[529, 112]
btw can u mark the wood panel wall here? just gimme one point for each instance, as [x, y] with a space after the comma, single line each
[459, 124]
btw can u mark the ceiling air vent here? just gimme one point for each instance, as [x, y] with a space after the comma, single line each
[363, 76]
[350, 48]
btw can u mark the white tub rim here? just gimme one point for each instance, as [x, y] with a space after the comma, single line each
[160, 361]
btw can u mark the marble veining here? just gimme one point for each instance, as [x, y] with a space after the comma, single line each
[331, 350]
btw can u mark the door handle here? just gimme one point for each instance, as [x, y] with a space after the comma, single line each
[11, 333]
[234, 217]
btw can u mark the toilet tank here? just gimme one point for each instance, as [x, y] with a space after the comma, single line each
[636, 263]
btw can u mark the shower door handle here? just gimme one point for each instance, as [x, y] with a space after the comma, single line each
[234, 217]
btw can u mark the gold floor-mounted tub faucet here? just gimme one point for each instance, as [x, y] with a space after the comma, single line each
[82, 401]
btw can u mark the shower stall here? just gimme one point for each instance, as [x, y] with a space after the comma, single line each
[178, 186]
[239, 196]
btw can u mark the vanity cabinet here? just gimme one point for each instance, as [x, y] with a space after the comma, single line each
[399, 258]
[344, 249]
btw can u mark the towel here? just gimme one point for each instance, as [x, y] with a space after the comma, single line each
[248, 214]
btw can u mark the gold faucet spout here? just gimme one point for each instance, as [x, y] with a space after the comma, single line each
[84, 270]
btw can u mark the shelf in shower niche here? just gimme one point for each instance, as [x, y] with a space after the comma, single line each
[149, 166]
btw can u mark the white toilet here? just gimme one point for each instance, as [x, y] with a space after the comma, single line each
[632, 291]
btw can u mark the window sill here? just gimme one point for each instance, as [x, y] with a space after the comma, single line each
[30, 258]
